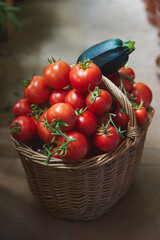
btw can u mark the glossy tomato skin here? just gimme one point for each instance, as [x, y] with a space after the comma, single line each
[142, 91]
[65, 112]
[57, 96]
[107, 142]
[86, 123]
[102, 119]
[56, 75]
[54, 155]
[22, 108]
[37, 92]
[81, 79]
[75, 99]
[121, 119]
[141, 115]
[28, 129]
[115, 78]
[90, 144]
[78, 149]
[68, 87]
[101, 104]
[128, 71]
[44, 133]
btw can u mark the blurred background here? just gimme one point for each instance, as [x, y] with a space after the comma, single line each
[65, 28]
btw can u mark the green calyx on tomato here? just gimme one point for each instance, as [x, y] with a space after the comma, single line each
[125, 76]
[52, 60]
[136, 106]
[85, 63]
[104, 128]
[94, 94]
[16, 128]
[55, 128]
[79, 112]
[37, 111]
[26, 82]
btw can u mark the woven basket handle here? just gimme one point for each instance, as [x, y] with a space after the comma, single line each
[133, 130]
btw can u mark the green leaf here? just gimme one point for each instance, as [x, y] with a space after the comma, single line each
[5, 7]
[13, 19]
[3, 21]
[2, 5]
[11, 8]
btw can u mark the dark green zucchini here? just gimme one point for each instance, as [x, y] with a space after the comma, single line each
[109, 55]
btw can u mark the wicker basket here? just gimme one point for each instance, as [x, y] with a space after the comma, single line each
[86, 189]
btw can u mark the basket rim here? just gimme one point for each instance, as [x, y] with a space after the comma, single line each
[86, 163]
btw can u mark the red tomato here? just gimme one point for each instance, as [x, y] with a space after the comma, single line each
[141, 115]
[57, 96]
[120, 119]
[115, 103]
[106, 141]
[56, 75]
[77, 149]
[86, 123]
[90, 144]
[142, 91]
[128, 71]
[62, 111]
[102, 119]
[101, 104]
[25, 129]
[55, 153]
[22, 108]
[37, 91]
[115, 78]
[68, 87]
[82, 78]
[75, 99]
[44, 133]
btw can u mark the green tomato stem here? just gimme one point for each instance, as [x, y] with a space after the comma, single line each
[16, 128]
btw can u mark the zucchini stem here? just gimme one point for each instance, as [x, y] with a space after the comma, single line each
[130, 45]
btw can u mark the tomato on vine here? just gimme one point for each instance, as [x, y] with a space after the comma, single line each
[44, 132]
[86, 123]
[36, 90]
[141, 92]
[106, 139]
[57, 96]
[23, 129]
[75, 99]
[120, 119]
[122, 80]
[64, 112]
[22, 108]
[85, 75]
[76, 150]
[102, 119]
[99, 101]
[128, 71]
[141, 115]
[56, 74]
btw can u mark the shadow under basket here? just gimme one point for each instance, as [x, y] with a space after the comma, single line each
[88, 188]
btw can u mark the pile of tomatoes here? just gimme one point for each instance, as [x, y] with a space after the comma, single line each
[68, 114]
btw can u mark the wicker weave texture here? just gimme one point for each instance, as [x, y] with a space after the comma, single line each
[83, 194]
[86, 189]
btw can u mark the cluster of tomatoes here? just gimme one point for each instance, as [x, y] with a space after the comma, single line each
[68, 113]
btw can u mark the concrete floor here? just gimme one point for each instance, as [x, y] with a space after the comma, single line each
[64, 29]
